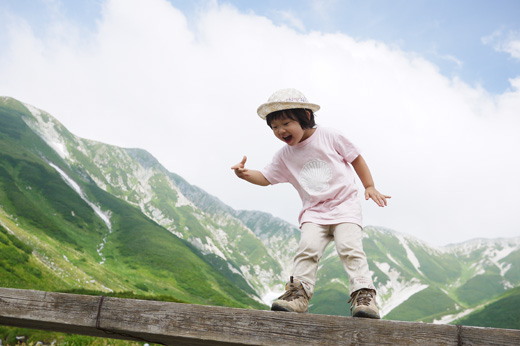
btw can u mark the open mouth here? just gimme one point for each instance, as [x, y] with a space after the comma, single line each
[287, 139]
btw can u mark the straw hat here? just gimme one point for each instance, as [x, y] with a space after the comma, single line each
[285, 99]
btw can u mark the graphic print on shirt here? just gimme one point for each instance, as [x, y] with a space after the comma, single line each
[315, 176]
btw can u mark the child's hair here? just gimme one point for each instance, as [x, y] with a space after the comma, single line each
[297, 114]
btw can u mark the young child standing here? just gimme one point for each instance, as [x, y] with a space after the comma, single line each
[320, 163]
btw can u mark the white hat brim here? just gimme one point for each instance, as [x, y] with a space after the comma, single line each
[271, 107]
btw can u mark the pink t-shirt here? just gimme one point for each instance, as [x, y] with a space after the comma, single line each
[319, 170]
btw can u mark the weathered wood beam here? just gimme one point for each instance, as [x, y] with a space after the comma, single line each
[186, 324]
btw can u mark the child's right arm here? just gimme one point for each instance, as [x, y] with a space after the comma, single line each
[252, 176]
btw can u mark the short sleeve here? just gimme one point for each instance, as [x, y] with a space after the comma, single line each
[345, 148]
[276, 172]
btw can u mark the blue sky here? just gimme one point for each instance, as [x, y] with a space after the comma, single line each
[429, 90]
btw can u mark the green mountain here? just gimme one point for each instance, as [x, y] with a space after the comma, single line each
[79, 214]
[60, 230]
[501, 313]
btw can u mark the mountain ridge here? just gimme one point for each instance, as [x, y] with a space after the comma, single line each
[70, 242]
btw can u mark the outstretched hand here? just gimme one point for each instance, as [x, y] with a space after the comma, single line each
[250, 175]
[376, 196]
[240, 169]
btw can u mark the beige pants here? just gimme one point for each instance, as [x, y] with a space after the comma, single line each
[348, 239]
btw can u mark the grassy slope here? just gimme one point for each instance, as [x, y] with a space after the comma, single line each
[502, 313]
[423, 306]
[118, 168]
[19, 269]
[141, 255]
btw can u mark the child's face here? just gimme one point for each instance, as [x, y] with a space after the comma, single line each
[290, 131]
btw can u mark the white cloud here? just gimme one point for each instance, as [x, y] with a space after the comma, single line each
[291, 20]
[501, 42]
[450, 58]
[323, 9]
[513, 48]
[447, 152]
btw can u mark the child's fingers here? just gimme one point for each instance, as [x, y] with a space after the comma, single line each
[241, 164]
[383, 198]
[242, 172]
[379, 199]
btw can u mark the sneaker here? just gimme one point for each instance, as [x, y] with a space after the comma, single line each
[364, 304]
[293, 300]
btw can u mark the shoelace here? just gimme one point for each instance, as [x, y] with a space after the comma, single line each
[293, 292]
[360, 297]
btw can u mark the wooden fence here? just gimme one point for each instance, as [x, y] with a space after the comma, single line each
[186, 324]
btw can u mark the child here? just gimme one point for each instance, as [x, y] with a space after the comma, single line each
[318, 162]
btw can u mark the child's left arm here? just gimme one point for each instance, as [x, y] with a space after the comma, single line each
[361, 168]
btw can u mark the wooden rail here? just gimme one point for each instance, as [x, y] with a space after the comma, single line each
[185, 324]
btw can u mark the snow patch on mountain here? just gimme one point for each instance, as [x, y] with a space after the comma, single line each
[409, 253]
[267, 282]
[338, 281]
[220, 236]
[496, 255]
[282, 250]
[46, 130]
[157, 215]
[181, 199]
[392, 259]
[478, 267]
[105, 216]
[207, 247]
[465, 249]
[397, 290]
[493, 253]
[453, 317]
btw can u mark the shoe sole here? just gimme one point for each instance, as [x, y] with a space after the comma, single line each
[364, 314]
[279, 308]
[284, 309]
